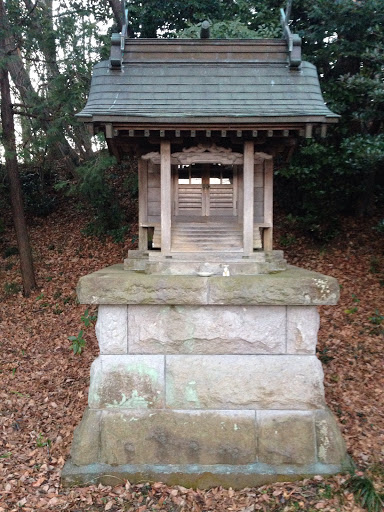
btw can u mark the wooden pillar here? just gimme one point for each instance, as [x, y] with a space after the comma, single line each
[268, 204]
[166, 199]
[248, 195]
[143, 204]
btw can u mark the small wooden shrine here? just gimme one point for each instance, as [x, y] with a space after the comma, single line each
[206, 118]
[207, 373]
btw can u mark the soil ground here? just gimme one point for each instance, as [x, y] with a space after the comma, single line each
[43, 390]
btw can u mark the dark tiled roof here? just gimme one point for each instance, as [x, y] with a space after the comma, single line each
[250, 83]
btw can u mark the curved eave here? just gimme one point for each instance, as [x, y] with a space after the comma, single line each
[206, 121]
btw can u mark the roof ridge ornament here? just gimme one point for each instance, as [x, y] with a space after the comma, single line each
[118, 40]
[293, 40]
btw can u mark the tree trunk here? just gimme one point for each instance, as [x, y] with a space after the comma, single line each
[32, 101]
[26, 264]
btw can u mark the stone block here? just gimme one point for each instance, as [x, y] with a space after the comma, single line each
[178, 437]
[244, 382]
[129, 382]
[85, 447]
[286, 437]
[111, 329]
[114, 285]
[331, 447]
[207, 329]
[303, 324]
[295, 287]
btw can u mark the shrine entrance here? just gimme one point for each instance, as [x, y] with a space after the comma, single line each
[204, 192]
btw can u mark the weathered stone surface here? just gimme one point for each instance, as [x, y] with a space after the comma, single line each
[330, 444]
[244, 382]
[111, 329]
[295, 286]
[85, 447]
[207, 329]
[302, 327]
[286, 437]
[178, 437]
[114, 285]
[130, 382]
[193, 475]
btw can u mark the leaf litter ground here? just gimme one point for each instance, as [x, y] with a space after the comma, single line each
[43, 390]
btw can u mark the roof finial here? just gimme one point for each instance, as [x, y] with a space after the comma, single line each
[118, 40]
[293, 40]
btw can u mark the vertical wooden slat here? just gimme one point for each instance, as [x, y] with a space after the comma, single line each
[166, 205]
[248, 192]
[268, 204]
[143, 203]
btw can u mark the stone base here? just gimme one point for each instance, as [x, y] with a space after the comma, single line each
[204, 448]
[205, 264]
[206, 380]
[194, 475]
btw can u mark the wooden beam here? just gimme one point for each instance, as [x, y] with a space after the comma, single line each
[90, 129]
[308, 131]
[108, 131]
[323, 130]
[248, 197]
[268, 204]
[166, 204]
[143, 203]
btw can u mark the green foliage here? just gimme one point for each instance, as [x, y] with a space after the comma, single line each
[379, 227]
[232, 18]
[287, 240]
[12, 288]
[10, 251]
[376, 319]
[93, 189]
[88, 319]
[36, 199]
[231, 29]
[365, 493]
[78, 342]
[42, 441]
[328, 179]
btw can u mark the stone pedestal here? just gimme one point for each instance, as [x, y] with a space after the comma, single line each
[205, 381]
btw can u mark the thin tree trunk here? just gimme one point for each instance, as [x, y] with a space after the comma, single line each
[26, 264]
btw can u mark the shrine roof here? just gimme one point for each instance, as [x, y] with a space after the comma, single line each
[202, 81]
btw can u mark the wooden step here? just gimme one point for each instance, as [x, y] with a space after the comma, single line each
[206, 237]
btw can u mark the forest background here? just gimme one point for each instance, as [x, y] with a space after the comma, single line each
[81, 209]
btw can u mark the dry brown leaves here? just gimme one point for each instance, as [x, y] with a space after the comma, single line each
[43, 389]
